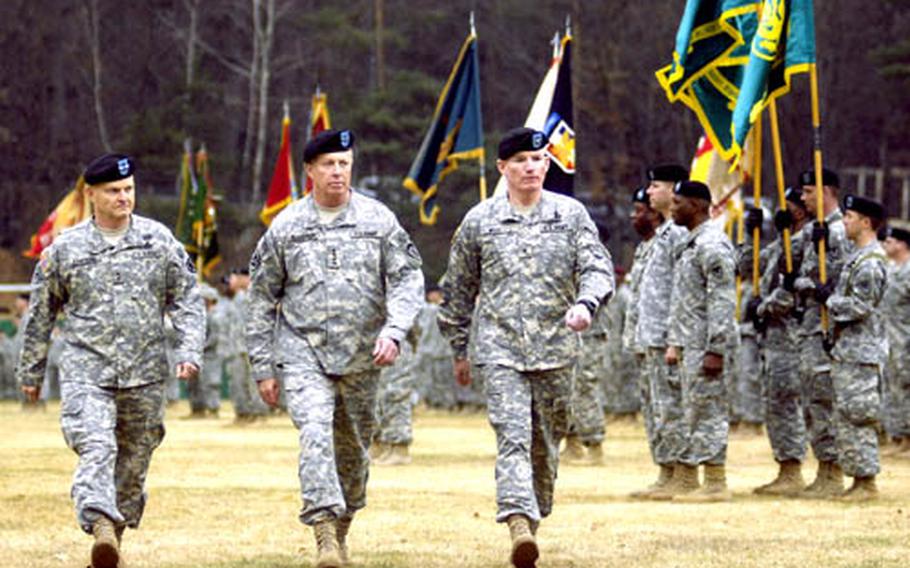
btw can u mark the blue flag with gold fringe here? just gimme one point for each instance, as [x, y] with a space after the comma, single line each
[732, 57]
[455, 134]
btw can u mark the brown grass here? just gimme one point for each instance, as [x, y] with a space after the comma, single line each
[227, 497]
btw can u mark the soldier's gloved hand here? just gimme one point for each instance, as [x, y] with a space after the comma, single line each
[751, 313]
[578, 318]
[783, 219]
[187, 371]
[31, 393]
[824, 291]
[385, 352]
[269, 391]
[819, 232]
[753, 220]
[789, 281]
[463, 372]
[712, 364]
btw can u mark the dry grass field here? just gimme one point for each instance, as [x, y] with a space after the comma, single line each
[227, 497]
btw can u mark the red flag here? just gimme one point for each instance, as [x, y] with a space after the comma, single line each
[72, 209]
[283, 189]
[319, 121]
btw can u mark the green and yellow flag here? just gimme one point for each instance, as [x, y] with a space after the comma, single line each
[192, 203]
[732, 57]
[206, 231]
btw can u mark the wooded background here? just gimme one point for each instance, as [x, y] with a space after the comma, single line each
[81, 77]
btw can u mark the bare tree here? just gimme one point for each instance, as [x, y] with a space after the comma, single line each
[253, 77]
[93, 25]
[192, 8]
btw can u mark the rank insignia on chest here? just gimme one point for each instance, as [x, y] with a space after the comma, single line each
[333, 259]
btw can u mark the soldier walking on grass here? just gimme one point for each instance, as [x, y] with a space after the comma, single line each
[114, 277]
[336, 285]
[532, 264]
[895, 307]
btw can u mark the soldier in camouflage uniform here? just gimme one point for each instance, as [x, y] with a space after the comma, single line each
[395, 406]
[434, 356]
[584, 443]
[702, 323]
[336, 285]
[644, 220]
[532, 263]
[114, 277]
[859, 353]
[895, 307]
[772, 314]
[248, 406]
[620, 379]
[815, 363]
[661, 394]
[205, 391]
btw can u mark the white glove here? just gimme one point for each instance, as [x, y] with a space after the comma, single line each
[578, 318]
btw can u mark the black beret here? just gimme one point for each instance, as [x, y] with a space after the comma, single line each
[794, 194]
[109, 167]
[864, 206]
[899, 234]
[828, 178]
[641, 196]
[326, 142]
[693, 189]
[668, 172]
[521, 140]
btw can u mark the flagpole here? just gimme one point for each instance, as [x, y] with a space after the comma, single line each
[819, 199]
[756, 202]
[779, 174]
[481, 162]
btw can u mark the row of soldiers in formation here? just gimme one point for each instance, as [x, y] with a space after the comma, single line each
[336, 286]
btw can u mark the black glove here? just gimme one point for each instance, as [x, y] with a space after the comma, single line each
[824, 291]
[753, 220]
[752, 310]
[783, 219]
[789, 283]
[819, 232]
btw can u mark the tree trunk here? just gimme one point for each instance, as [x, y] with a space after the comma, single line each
[264, 76]
[93, 23]
[192, 6]
[380, 46]
[252, 88]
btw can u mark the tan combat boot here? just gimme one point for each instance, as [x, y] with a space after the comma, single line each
[524, 547]
[326, 545]
[106, 550]
[820, 475]
[574, 451]
[595, 454]
[863, 489]
[342, 526]
[833, 486]
[684, 480]
[663, 478]
[713, 491]
[789, 481]
[398, 454]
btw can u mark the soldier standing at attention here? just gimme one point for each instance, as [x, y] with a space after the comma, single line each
[532, 263]
[336, 285]
[860, 349]
[662, 398]
[701, 325]
[114, 277]
[895, 307]
[815, 363]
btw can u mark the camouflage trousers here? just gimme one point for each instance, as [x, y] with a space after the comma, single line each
[244, 393]
[747, 389]
[784, 411]
[205, 390]
[114, 432]
[705, 407]
[587, 418]
[857, 405]
[335, 419]
[529, 412]
[897, 395]
[440, 381]
[661, 406]
[620, 383]
[818, 397]
[395, 406]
